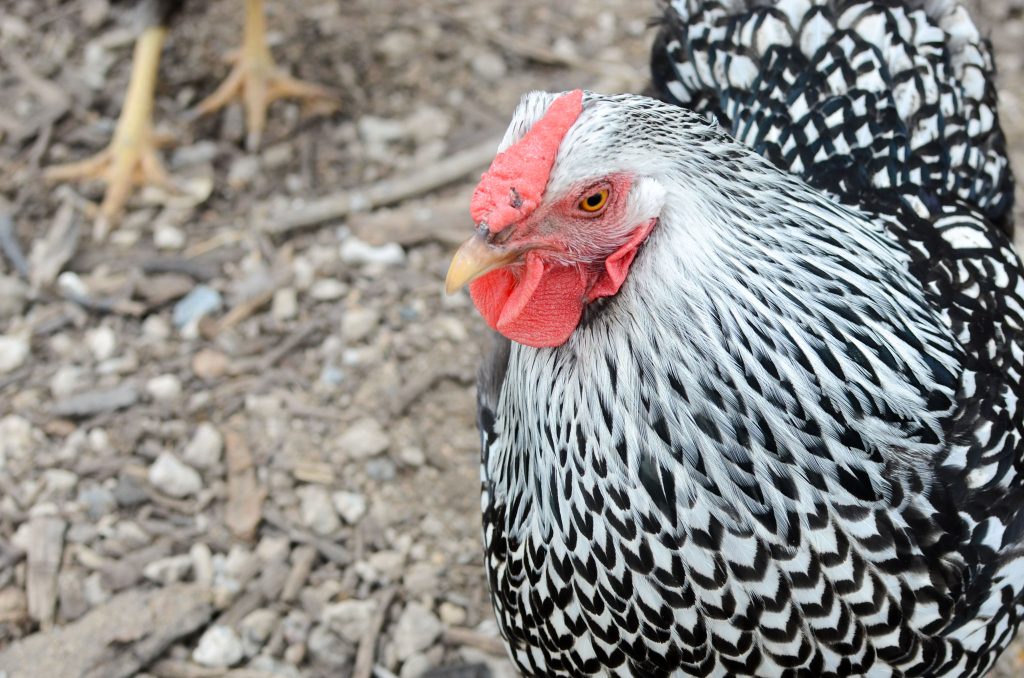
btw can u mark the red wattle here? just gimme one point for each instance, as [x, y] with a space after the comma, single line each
[539, 303]
[540, 307]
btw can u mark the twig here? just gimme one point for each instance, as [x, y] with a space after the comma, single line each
[11, 247]
[457, 635]
[368, 643]
[386, 192]
[333, 552]
[292, 342]
[245, 309]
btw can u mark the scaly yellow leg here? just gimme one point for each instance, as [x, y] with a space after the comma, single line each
[131, 157]
[258, 81]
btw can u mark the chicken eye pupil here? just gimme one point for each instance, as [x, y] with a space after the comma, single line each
[594, 201]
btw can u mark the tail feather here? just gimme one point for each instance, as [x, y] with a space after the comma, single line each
[862, 98]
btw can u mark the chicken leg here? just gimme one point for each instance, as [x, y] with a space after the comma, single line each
[131, 157]
[257, 80]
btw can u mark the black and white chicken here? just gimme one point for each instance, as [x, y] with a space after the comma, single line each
[756, 409]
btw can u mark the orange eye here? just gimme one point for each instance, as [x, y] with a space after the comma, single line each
[594, 201]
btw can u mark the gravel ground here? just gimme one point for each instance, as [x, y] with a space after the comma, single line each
[227, 448]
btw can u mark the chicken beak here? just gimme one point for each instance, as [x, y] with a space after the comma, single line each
[474, 258]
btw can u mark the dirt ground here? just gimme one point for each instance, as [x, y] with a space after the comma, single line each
[231, 444]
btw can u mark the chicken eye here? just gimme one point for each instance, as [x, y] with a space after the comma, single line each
[595, 201]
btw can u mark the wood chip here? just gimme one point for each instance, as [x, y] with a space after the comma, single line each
[51, 252]
[244, 509]
[46, 544]
[95, 402]
[367, 651]
[302, 565]
[469, 638]
[387, 192]
[115, 640]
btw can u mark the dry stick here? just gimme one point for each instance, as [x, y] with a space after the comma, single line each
[11, 247]
[385, 192]
[461, 636]
[368, 643]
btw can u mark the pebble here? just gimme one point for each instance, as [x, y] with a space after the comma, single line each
[156, 328]
[98, 501]
[381, 469]
[324, 648]
[129, 492]
[358, 323]
[202, 563]
[66, 380]
[209, 364]
[172, 477]
[355, 251]
[168, 570]
[168, 237]
[59, 482]
[489, 66]
[256, 627]
[219, 647]
[364, 439]
[416, 630]
[415, 666]
[351, 506]
[412, 456]
[422, 579]
[14, 350]
[102, 342]
[285, 305]
[13, 296]
[201, 301]
[328, 289]
[451, 614]
[243, 170]
[349, 618]
[164, 388]
[205, 448]
[376, 131]
[316, 509]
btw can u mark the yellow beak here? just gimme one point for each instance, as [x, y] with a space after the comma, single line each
[474, 258]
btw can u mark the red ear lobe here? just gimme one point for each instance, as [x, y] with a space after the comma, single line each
[616, 266]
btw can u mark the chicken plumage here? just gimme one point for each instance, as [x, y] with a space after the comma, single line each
[758, 413]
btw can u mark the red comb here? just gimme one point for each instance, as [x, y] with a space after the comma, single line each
[513, 185]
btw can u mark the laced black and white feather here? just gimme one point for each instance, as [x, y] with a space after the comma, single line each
[792, 444]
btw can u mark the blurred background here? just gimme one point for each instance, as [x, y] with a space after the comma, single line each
[237, 433]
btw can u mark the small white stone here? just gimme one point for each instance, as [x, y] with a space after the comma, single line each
[168, 237]
[358, 323]
[168, 570]
[206, 446]
[364, 439]
[202, 564]
[350, 505]
[316, 509]
[256, 627]
[415, 666]
[355, 251]
[489, 66]
[327, 289]
[66, 380]
[14, 350]
[164, 388]
[349, 618]
[156, 328]
[102, 342]
[412, 456]
[416, 630]
[219, 647]
[452, 614]
[285, 305]
[174, 478]
[13, 296]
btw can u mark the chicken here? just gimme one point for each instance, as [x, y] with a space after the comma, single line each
[132, 156]
[754, 407]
